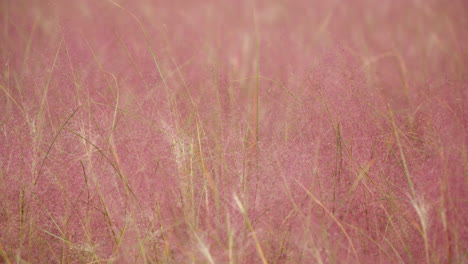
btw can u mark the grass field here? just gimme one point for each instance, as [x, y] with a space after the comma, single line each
[216, 131]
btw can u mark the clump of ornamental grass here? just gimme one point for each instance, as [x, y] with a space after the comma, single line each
[243, 132]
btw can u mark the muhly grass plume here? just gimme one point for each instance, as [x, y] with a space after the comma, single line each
[210, 131]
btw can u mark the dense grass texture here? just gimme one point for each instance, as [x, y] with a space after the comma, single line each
[216, 131]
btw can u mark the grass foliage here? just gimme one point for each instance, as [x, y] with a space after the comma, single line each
[263, 131]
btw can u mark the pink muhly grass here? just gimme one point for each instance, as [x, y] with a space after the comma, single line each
[233, 131]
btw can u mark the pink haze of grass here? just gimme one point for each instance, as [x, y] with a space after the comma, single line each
[233, 131]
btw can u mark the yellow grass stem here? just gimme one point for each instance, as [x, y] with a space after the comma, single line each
[252, 230]
[332, 216]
